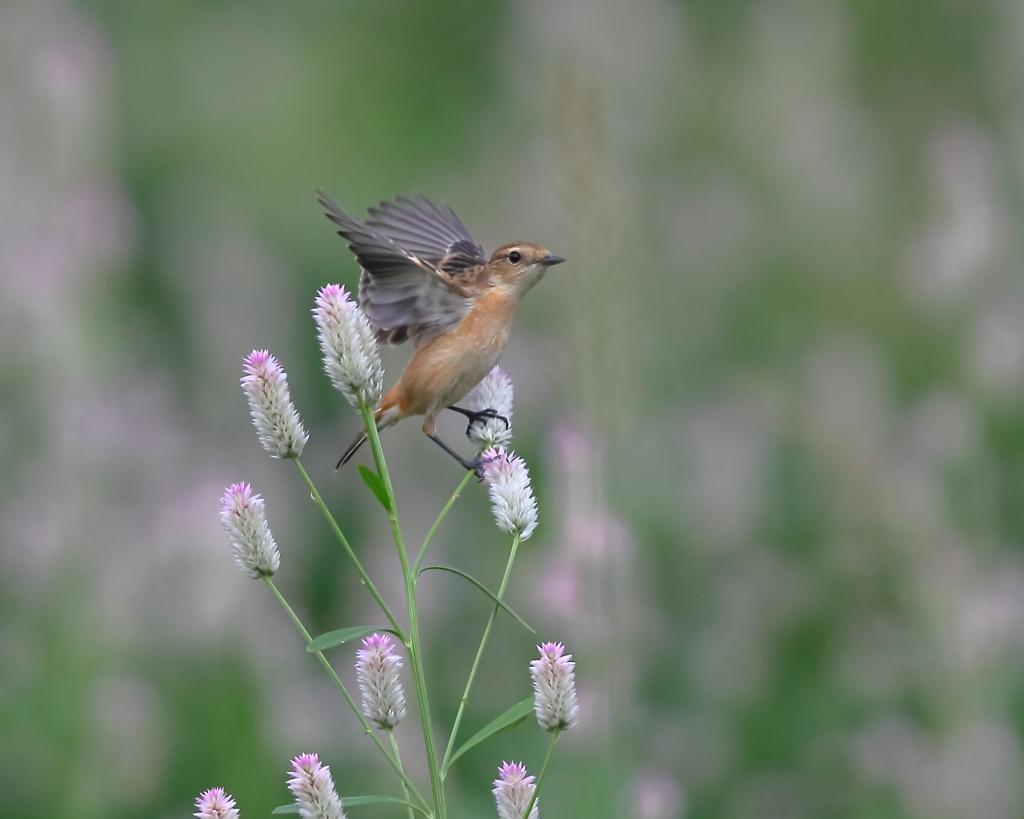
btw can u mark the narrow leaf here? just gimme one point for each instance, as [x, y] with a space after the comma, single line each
[482, 588]
[350, 801]
[336, 638]
[372, 480]
[510, 719]
[292, 808]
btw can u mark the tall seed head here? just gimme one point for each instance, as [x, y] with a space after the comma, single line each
[554, 688]
[349, 346]
[494, 392]
[245, 522]
[512, 500]
[313, 788]
[215, 804]
[276, 421]
[513, 790]
[377, 670]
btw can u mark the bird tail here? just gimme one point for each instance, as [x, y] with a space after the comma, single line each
[359, 440]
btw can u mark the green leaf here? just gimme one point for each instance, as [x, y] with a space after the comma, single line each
[351, 801]
[510, 719]
[292, 808]
[372, 480]
[482, 588]
[336, 638]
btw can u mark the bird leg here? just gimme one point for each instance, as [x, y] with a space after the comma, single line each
[476, 465]
[480, 415]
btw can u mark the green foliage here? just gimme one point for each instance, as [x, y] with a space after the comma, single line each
[510, 719]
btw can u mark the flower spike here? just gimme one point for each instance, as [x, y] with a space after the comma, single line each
[313, 788]
[349, 345]
[377, 670]
[215, 804]
[245, 522]
[493, 393]
[512, 500]
[276, 421]
[513, 790]
[554, 688]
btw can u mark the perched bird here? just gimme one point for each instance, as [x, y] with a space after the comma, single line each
[424, 278]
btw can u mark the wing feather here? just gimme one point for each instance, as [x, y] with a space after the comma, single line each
[427, 230]
[405, 289]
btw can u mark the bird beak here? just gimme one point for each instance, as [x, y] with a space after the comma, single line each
[551, 259]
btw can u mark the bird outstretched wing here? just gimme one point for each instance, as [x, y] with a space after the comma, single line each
[431, 232]
[419, 266]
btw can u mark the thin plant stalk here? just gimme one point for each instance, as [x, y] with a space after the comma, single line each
[543, 773]
[479, 655]
[413, 642]
[367, 729]
[398, 760]
[348, 549]
[440, 517]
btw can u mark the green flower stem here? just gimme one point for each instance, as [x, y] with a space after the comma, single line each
[395, 763]
[543, 772]
[479, 655]
[441, 517]
[413, 642]
[345, 544]
[398, 759]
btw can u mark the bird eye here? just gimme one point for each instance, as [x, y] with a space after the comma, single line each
[515, 257]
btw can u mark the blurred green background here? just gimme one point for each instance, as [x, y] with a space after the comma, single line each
[772, 405]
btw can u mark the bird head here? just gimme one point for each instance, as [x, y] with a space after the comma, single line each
[520, 265]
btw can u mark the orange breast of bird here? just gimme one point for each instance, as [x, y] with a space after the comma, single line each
[444, 369]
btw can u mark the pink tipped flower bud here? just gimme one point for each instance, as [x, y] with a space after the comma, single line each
[554, 688]
[276, 421]
[349, 345]
[215, 804]
[313, 788]
[513, 790]
[508, 484]
[377, 670]
[494, 392]
[245, 522]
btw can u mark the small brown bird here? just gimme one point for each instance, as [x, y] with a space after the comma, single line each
[425, 278]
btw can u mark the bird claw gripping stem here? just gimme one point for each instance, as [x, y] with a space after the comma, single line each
[480, 415]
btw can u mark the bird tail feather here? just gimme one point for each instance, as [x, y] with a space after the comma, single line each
[357, 442]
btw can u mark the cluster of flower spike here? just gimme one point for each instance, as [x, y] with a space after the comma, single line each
[377, 668]
[554, 705]
[311, 785]
[352, 361]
